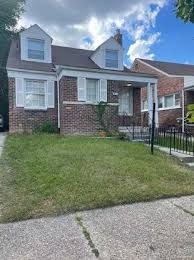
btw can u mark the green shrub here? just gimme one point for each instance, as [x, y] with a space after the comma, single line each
[46, 127]
[122, 136]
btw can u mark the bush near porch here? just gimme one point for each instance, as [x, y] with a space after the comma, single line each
[47, 175]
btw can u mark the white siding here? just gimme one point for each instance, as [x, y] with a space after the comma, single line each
[99, 56]
[188, 81]
[35, 32]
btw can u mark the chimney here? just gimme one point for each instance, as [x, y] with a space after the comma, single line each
[119, 37]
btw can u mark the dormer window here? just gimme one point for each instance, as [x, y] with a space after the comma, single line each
[111, 57]
[36, 49]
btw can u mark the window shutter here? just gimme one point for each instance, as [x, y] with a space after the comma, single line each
[19, 92]
[81, 86]
[51, 94]
[103, 90]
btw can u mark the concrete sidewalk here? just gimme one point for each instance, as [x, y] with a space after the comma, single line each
[163, 229]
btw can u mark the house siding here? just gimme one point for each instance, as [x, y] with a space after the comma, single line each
[22, 120]
[166, 85]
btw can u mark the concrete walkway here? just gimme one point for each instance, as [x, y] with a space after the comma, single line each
[187, 159]
[162, 229]
[2, 141]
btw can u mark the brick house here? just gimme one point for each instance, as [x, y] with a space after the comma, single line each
[63, 85]
[175, 88]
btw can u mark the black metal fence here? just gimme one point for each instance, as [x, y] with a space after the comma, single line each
[175, 140]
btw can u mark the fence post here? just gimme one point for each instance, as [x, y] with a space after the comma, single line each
[170, 141]
[153, 128]
[174, 139]
[133, 130]
[186, 142]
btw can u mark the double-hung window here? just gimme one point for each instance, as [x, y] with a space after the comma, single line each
[169, 101]
[92, 90]
[111, 59]
[160, 102]
[36, 49]
[35, 94]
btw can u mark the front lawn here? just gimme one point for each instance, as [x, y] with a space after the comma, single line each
[47, 175]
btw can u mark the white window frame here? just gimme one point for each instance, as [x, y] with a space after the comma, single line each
[97, 91]
[130, 92]
[110, 67]
[163, 102]
[34, 59]
[170, 107]
[142, 107]
[45, 95]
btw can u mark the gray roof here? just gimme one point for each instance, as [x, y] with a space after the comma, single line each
[72, 57]
[171, 68]
[14, 60]
[64, 56]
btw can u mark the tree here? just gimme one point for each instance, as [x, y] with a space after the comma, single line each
[10, 11]
[185, 10]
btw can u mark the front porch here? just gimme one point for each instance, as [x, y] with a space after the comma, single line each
[130, 106]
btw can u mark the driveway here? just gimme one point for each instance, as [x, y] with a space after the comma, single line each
[163, 229]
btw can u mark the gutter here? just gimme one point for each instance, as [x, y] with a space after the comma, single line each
[114, 72]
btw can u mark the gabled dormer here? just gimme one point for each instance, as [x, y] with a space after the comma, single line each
[35, 45]
[109, 55]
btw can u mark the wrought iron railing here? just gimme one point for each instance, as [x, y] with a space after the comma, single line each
[175, 140]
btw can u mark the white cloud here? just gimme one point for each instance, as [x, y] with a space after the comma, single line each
[141, 47]
[69, 22]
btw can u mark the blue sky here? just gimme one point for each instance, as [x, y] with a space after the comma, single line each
[176, 43]
[177, 38]
[150, 27]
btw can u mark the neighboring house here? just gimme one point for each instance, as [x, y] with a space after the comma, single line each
[175, 88]
[61, 85]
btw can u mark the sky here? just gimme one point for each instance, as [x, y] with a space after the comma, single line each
[150, 28]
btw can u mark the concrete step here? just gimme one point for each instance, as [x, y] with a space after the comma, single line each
[188, 160]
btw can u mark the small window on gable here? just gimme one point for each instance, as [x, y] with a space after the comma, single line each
[36, 49]
[111, 57]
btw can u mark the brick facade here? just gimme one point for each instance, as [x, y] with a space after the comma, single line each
[166, 85]
[22, 120]
[75, 117]
[78, 117]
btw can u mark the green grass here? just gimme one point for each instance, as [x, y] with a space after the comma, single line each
[48, 175]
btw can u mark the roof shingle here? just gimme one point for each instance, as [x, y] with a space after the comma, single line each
[172, 68]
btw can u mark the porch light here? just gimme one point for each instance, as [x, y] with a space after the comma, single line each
[129, 84]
